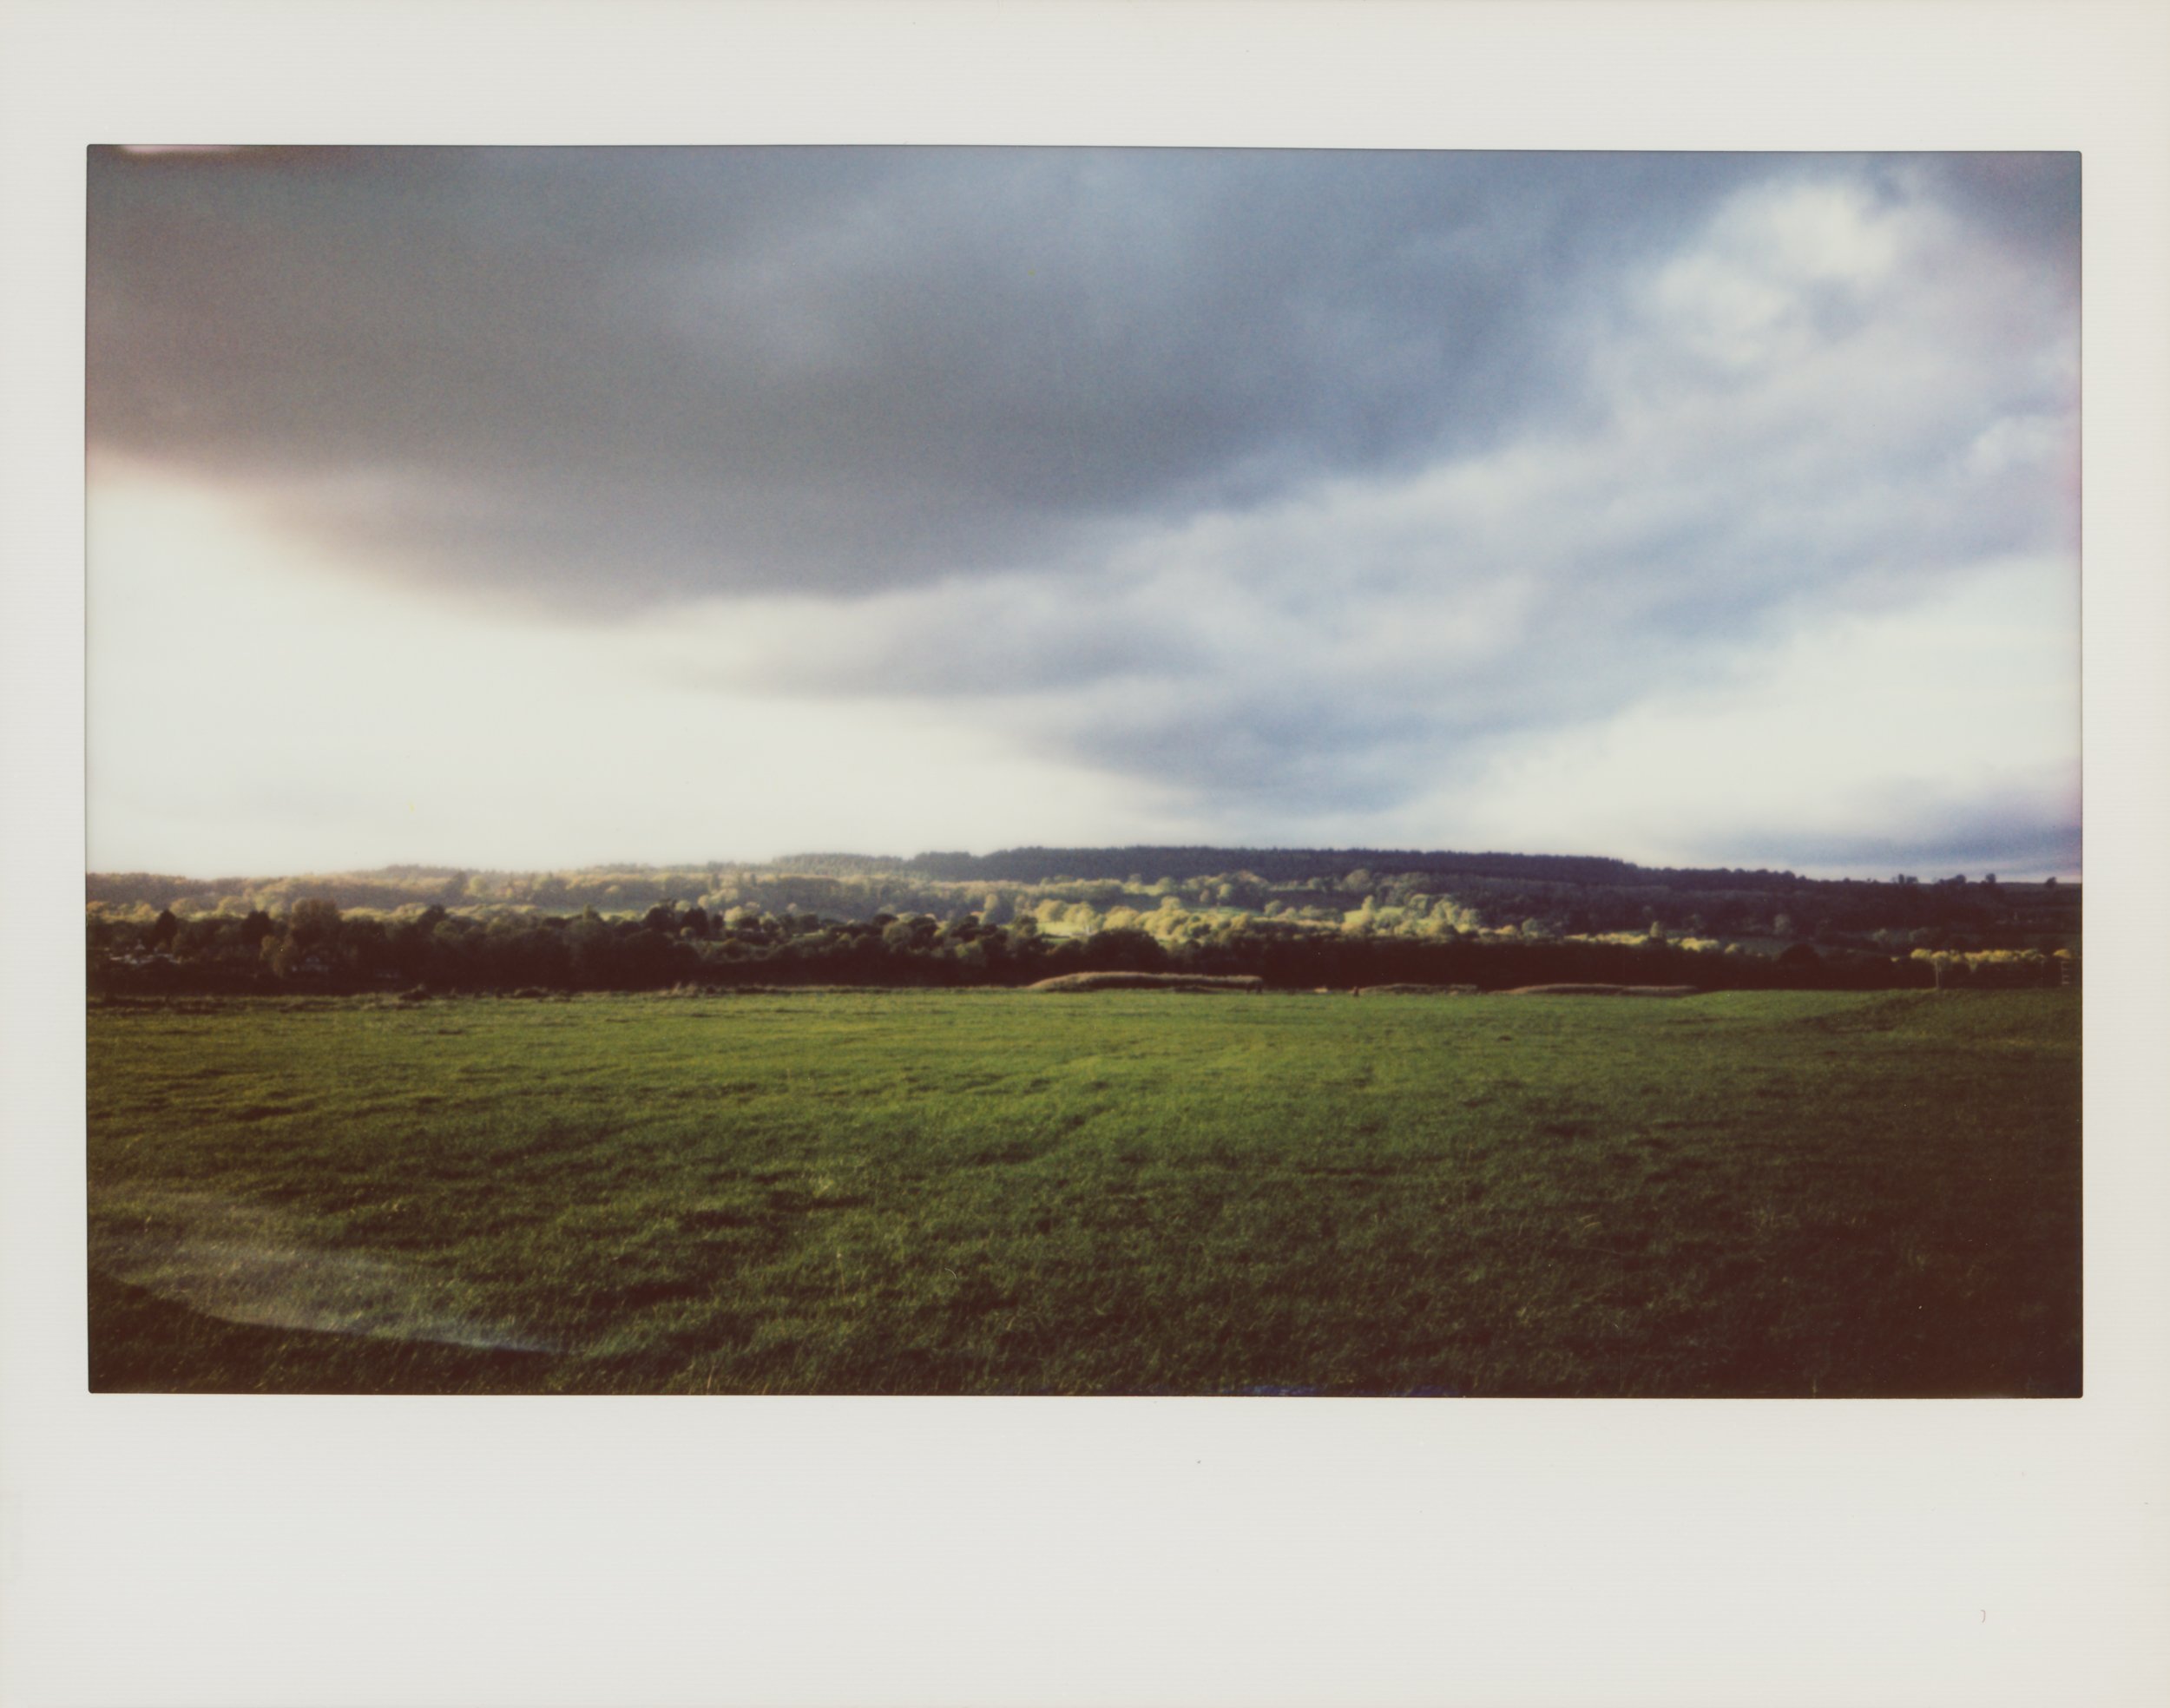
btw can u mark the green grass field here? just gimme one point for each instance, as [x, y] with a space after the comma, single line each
[1770, 1193]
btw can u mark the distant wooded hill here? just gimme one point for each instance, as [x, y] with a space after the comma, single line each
[1348, 873]
[1299, 865]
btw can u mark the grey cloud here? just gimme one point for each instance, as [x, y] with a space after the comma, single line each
[967, 639]
[607, 377]
[1268, 756]
[2029, 200]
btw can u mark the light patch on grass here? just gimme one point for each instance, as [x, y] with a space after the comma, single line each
[244, 1264]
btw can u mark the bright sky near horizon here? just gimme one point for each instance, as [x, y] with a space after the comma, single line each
[538, 508]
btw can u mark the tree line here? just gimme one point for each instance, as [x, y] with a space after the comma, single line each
[315, 946]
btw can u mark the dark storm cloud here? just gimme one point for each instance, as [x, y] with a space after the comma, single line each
[608, 378]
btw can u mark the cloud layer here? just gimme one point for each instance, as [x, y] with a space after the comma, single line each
[1299, 492]
[616, 375]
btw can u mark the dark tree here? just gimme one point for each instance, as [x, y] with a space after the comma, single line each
[314, 923]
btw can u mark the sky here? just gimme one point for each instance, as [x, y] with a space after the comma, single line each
[539, 508]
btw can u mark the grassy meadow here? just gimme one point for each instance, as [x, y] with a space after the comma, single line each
[1782, 1193]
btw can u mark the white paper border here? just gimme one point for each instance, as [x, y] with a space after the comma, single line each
[302, 1550]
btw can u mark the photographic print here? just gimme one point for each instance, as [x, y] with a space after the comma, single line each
[1002, 770]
